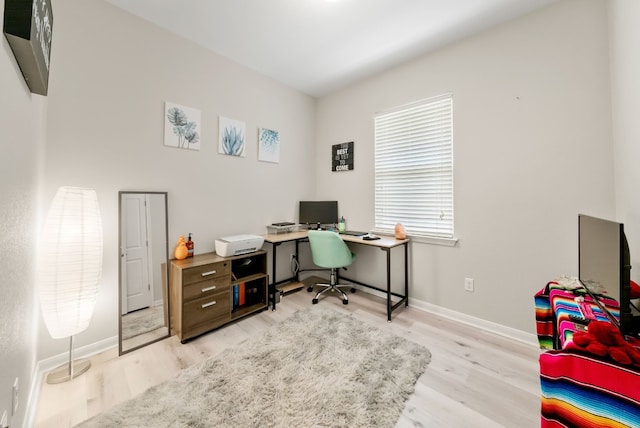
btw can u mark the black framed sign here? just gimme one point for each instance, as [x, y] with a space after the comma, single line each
[28, 27]
[342, 157]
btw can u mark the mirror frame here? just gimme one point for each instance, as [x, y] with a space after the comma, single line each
[120, 254]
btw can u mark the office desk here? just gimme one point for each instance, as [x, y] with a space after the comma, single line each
[384, 243]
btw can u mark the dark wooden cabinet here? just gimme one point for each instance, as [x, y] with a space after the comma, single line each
[208, 291]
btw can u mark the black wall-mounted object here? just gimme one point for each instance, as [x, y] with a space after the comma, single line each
[342, 157]
[28, 27]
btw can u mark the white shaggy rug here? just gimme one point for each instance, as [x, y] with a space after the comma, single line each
[318, 368]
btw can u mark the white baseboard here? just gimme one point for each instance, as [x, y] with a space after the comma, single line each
[502, 330]
[51, 363]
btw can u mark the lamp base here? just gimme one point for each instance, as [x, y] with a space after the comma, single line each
[63, 374]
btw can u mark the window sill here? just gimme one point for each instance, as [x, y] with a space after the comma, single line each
[434, 240]
[422, 239]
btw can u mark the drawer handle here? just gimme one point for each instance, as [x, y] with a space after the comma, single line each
[213, 287]
[211, 272]
[206, 305]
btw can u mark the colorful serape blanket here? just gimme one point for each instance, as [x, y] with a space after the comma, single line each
[564, 307]
[545, 320]
[555, 304]
[580, 390]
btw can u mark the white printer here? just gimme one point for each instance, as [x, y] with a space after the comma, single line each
[238, 244]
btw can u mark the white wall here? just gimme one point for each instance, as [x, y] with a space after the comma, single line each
[625, 95]
[532, 149]
[111, 74]
[21, 124]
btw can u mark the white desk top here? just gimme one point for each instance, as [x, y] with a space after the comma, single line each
[383, 242]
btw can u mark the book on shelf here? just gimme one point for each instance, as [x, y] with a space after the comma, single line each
[236, 296]
[241, 294]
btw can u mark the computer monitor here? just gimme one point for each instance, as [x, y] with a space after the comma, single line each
[604, 266]
[318, 212]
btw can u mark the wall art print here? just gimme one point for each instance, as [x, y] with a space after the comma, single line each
[181, 126]
[28, 27]
[342, 157]
[232, 137]
[268, 145]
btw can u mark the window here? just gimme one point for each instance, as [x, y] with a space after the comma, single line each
[414, 168]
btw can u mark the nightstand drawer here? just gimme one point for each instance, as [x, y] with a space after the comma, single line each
[200, 273]
[205, 288]
[206, 309]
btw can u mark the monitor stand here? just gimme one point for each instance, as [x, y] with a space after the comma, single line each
[314, 227]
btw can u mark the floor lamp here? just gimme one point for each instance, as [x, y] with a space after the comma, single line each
[69, 269]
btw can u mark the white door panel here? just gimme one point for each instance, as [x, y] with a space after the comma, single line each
[135, 276]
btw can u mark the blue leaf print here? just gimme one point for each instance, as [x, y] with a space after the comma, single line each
[232, 141]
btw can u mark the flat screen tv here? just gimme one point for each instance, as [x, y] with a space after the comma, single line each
[604, 266]
[318, 213]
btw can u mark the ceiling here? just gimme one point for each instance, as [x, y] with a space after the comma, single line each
[318, 46]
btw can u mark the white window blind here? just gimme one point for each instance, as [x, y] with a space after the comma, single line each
[414, 168]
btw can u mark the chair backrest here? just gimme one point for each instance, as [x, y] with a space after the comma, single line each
[328, 250]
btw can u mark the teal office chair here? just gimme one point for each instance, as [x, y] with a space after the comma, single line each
[328, 250]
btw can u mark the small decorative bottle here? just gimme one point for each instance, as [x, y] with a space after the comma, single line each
[189, 246]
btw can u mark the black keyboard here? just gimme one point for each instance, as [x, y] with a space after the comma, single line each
[284, 223]
[353, 233]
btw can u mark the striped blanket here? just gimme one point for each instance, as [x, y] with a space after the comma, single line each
[580, 389]
[555, 305]
[584, 391]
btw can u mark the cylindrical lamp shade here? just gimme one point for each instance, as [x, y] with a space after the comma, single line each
[70, 261]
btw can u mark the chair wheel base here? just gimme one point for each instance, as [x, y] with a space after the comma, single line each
[345, 302]
[310, 289]
[314, 301]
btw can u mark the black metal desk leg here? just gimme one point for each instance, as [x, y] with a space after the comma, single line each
[388, 251]
[406, 274]
[273, 275]
[298, 260]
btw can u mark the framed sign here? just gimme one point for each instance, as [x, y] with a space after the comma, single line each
[27, 27]
[342, 157]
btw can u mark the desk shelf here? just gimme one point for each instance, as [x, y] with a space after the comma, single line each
[249, 294]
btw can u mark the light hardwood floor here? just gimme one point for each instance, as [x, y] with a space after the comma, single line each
[474, 379]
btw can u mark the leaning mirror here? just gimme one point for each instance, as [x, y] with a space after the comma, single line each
[143, 243]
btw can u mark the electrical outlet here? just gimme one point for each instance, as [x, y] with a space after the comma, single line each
[468, 284]
[4, 422]
[14, 407]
